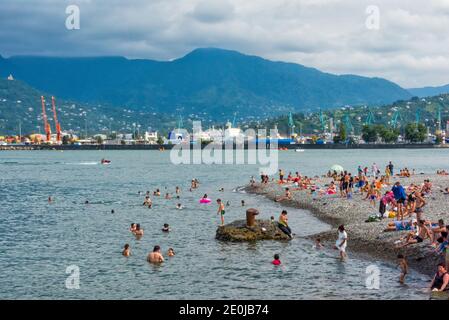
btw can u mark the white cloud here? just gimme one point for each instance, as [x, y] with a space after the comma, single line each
[410, 47]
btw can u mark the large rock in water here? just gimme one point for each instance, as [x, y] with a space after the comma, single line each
[238, 231]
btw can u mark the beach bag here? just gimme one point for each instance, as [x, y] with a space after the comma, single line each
[372, 218]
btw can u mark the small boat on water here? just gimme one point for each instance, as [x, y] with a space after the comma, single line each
[299, 150]
[104, 161]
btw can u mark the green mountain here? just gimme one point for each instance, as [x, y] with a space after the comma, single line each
[20, 105]
[429, 91]
[207, 83]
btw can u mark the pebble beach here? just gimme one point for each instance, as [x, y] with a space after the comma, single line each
[367, 238]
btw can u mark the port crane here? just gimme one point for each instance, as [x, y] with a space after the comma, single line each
[57, 125]
[370, 118]
[44, 116]
[291, 124]
[46, 124]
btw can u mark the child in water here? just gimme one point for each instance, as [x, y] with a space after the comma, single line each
[171, 252]
[126, 251]
[318, 244]
[402, 262]
[166, 228]
[276, 260]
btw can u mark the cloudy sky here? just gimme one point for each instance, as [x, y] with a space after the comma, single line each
[410, 45]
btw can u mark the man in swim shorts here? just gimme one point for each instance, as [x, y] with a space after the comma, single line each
[221, 210]
[423, 233]
[155, 256]
[283, 224]
[400, 196]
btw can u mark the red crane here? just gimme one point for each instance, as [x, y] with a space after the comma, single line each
[57, 125]
[46, 125]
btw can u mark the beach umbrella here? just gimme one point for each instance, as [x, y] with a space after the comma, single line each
[337, 168]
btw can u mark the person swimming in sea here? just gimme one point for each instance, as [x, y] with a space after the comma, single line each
[276, 260]
[157, 193]
[138, 232]
[318, 245]
[243, 203]
[148, 202]
[133, 227]
[126, 251]
[179, 206]
[49, 199]
[167, 196]
[221, 210]
[171, 252]
[166, 228]
[155, 256]
[178, 190]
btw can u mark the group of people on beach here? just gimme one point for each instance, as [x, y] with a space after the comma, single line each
[404, 204]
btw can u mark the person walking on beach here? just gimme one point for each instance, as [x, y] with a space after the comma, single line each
[155, 256]
[374, 170]
[221, 210]
[403, 265]
[281, 176]
[390, 168]
[399, 196]
[342, 242]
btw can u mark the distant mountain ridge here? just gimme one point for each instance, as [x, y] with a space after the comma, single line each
[429, 91]
[208, 81]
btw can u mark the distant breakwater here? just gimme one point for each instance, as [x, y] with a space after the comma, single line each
[246, 146]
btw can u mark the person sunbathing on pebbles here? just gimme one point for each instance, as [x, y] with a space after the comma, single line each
[287, 196]
[412, 238]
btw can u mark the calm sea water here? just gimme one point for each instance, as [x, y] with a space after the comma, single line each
[38, 240]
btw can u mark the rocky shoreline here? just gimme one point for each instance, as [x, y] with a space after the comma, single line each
[238, 231]
[367, 238]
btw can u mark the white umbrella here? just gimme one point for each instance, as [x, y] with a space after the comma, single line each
[337, 167]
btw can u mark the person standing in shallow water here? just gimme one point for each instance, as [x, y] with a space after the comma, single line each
[342, 242]
[221, 210]
[155, 256]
